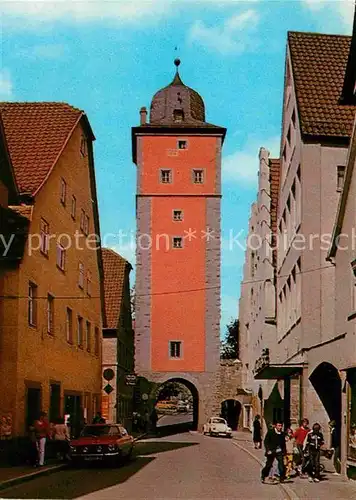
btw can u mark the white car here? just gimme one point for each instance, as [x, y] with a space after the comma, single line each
[217, 426]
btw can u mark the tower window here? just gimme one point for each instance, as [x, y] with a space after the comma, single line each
[178, 115]
[177, 215]
[340, 177]
[177, 242]
[175, 349]
[182, 145]
[166, 176]
[198, 176]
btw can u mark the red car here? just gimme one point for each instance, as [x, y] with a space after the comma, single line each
[110, 442]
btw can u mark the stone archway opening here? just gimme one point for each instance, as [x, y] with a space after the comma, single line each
[177, 405]
[231, 411]
[327, 383]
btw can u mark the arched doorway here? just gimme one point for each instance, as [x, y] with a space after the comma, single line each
[327, 383]
[177, 403]
[230, 411]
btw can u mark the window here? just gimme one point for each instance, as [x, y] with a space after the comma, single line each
[73, 207]
[293, 117]
[178, 115]
[166, 176]
[80, 335]
[96, 341]
[198, 176]
[177, 242]
[86, 225]
[175, 349]
[50, 313]
[63, 192]
[61, 257]
[182, 144]
[82, 220]
[69, 325]
[340, 177]
[83, 147]
[88, 336]
[177, 215]
[288, 136]
[32, 304]
[44, 237]
[89, 283]
[284, 154]
[81, 275]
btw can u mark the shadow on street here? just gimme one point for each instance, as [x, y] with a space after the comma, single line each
[72, 483]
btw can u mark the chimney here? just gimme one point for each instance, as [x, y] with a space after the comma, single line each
[143, 116]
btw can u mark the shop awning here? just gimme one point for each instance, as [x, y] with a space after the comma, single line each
[274, 371]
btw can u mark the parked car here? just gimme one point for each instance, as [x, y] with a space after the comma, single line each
[182, 407]
[217, 426]
[102, 442]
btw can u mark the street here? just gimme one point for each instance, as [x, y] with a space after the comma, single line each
[179, 418]
[188, 466]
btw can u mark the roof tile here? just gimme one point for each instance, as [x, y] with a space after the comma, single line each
[115, 267]
[319, 64]
[35, 133]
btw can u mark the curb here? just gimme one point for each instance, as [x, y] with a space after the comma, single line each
[287, 490]
[32, 475]
[141, 436]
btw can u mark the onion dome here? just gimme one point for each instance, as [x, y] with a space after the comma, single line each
[177, 104]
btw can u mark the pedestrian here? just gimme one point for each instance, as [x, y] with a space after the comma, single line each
[288, 459]
[154, 419]
[299, 436]
[61, 439]
[98, 419]
[335, 446]
[313, 442]
[41, 426]
[275, 445]
[257, 432]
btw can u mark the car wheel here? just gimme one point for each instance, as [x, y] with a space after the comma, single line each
[211, 434]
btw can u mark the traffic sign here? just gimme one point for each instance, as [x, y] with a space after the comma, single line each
[108, 389]
[131, 379]
[108, 374]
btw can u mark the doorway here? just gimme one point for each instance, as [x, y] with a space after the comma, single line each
[55, 402]
[33, 405]
[230, 411]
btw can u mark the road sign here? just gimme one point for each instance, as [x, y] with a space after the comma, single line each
[144, 396]
[131, 379]
[108, 374]
[108, 389]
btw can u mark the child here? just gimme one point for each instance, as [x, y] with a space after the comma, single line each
[313, 442]
[288, 458]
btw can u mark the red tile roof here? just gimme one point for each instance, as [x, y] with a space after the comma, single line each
[36, 133]
[319, 64]
[115, 268]
[24, 210]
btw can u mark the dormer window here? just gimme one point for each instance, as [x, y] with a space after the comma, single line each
[178, 115]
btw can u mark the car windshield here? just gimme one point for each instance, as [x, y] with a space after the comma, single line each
[99, 430]
[218, 421]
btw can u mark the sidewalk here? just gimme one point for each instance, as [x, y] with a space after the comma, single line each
[10, 476]
[336, 487]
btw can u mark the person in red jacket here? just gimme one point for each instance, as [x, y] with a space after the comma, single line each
[299, 436]
[41, 431]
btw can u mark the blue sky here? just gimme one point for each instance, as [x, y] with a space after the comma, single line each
[110, 57]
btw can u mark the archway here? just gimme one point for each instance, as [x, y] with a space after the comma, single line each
[177, 403]
[230, 411]
[327, 383]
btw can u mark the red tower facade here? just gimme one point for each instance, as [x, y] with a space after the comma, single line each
[178, 158]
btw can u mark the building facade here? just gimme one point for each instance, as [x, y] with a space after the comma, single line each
[177, 317]
[118, 339]
[51, 309]
[305, 359]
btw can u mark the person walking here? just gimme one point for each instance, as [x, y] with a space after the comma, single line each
[335, 446]
[299, 436]
[41, 429]
[288, 460]
[275, 445]
[61, 438]
[257, 432]
[313, 442]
